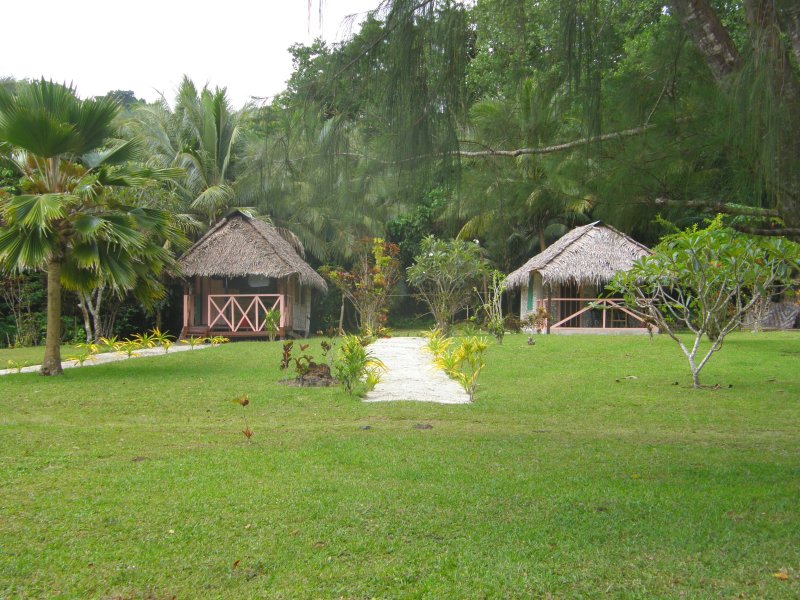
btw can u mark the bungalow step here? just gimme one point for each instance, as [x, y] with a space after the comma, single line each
[194, 331]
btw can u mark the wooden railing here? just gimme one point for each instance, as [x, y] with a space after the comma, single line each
[244, 312]
[604, 305]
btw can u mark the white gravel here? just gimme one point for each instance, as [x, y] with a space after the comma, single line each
[106, 357]
[411, 374]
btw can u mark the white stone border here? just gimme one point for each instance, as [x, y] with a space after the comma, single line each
[107, 357]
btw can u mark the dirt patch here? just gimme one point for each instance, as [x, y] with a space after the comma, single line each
[317, 376]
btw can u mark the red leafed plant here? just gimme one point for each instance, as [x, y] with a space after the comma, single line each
[375, 273]
[243, 401]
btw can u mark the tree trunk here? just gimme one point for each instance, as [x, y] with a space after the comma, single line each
[341, 318]
[52, 350]
[696, 378]
[94, 308]
[789, 16]
[709, 36]
[766, 19]
[87, 324]
[775, 57]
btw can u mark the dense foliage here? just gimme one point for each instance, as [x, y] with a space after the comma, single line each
[506, 121]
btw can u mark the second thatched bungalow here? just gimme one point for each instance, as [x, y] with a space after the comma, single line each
[238, 271]
[563, 284]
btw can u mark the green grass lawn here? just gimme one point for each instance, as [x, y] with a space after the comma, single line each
[563, 479]
[34, 356]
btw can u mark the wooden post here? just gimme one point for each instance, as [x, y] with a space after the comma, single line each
[549, 306]
[605, 310]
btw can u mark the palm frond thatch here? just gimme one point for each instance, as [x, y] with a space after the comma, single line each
[586, 255]
[240, 245]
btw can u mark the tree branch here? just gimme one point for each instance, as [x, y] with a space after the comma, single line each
[722, 207]
[615, 135]
[789, 232]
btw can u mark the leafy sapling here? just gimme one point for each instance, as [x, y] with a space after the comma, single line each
[244, 401]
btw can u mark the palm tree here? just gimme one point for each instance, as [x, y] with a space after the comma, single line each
[201, 135]
[67, 222]
[533, 200]
[312, 177]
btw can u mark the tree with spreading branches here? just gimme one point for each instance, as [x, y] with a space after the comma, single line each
[705, 281]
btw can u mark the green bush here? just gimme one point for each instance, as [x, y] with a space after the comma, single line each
[356, 368]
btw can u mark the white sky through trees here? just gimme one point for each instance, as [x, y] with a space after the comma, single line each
[146, 45]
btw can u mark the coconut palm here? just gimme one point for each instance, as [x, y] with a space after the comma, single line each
[517, 206]
[315, 181]
[201, 135]
[68, 221]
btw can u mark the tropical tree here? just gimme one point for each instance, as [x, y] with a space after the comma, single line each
[370, 283]
[517, 206]
[66, 220]
[201, 135]
[444, 274]
[706, 281]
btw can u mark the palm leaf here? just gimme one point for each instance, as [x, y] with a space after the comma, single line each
[36, 211]
[119, 154]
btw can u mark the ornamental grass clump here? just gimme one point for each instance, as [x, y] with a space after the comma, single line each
[88, 352]
[193, 341]
[17, 366]
[467, 359]
[463, 363]
[145, 340]
[128, 347]
[437, 343]
[164, 340]
[355, 367]
[112, 344]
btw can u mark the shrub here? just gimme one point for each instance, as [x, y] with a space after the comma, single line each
[444, 274]
[369, 283]
[463, 363]
[356, 368]
[272, 322]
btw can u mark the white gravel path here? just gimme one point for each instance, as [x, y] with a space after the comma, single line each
[106, 357]
[411, 374]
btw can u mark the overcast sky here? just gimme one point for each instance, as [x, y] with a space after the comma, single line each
[147, 45]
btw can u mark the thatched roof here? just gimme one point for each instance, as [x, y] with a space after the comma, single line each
[239, 245]
[586, 255]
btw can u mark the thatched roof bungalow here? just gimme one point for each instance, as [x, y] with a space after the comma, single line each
[240, 269]
[565, 279]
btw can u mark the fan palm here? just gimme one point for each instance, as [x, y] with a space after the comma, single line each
[68, 221]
